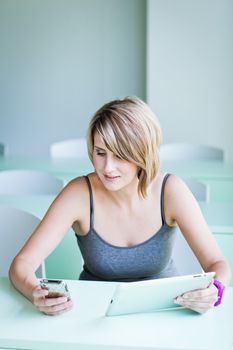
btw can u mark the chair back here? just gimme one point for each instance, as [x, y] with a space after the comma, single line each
[199, 189]
[75, 148]
[16, 227]
[29, 182]
[186, 151]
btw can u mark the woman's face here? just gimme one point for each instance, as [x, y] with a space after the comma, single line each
[114, 173]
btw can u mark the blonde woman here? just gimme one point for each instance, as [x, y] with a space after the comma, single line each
[124, 214]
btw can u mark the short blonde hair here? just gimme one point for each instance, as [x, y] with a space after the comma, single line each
[130, 130]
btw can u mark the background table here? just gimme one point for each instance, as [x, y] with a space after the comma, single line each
[214, 170]
[64, 168]
[201, 169]
[85, 326]
[217, 174]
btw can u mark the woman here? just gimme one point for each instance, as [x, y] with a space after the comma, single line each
[124, 214]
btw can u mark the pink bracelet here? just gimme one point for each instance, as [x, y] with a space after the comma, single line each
[220, 288]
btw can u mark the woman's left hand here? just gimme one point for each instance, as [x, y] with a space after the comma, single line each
[200, 300]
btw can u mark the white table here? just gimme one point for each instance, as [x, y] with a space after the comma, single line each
[87, 328]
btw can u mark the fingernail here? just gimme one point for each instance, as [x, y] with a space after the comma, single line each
[178, 301]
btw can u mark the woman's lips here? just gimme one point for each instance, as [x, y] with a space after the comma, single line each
[111, 178]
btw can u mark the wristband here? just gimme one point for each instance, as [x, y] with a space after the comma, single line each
[220, 288]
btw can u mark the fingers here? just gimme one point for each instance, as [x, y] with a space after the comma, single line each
[50, 306]
[46, 302]
[57, 308]
[38, 292]
[200, 300]
[200, 306]
[200, 296]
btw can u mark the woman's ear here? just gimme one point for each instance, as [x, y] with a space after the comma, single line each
[139, 172]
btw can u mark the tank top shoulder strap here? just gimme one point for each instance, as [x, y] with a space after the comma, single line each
[162, 198]
[91, 201]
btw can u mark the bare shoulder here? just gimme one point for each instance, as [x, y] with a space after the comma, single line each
[73, 199]
[77, 186]
[178, 198]
[175, 186]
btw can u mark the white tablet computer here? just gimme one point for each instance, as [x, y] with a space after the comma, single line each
[154, 295]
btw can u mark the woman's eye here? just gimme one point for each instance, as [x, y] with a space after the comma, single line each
[118, 157]
[100, 154]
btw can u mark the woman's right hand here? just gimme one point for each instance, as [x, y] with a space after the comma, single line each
[50, 306]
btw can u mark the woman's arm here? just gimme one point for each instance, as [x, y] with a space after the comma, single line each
[63, 212]
[183, 209]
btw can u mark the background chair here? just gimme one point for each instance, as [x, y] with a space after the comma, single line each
[65, 260]
[29, 182]
[16, 227]
[199, 189]
[69, 148]
[183, 256]
[186, 151]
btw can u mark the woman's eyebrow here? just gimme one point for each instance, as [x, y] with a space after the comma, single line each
[99, 148]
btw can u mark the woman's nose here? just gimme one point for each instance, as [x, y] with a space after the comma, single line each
[109, 164]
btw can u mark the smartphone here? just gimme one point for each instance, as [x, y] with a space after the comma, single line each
[56, 288]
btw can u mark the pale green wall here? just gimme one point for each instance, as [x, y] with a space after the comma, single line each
[61, 60]
[190, 70]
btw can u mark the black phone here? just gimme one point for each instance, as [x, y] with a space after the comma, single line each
[55, 287]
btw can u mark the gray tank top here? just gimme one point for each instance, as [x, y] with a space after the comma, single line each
[147, 260]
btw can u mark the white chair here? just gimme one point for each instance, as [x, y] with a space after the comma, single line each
[29, 182]
[199, 189]
[183, 256]
[16, 227]
[75, 148]
[186, 151]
